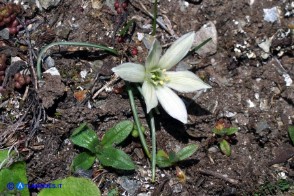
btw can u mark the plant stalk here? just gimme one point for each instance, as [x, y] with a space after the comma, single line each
[137, 121]
[40, 56]
[154, 18]
[153, 139]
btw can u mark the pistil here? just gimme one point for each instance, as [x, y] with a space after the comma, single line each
[158, 76]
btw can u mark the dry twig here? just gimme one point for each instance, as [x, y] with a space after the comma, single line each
[218, 175]
[113, 80]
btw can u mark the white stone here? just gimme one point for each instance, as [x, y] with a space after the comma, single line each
[48, 3]
[271, 15]
[53, 71]
[265, 45]
[287, 79]
[83, 74]
[250, 103]
[140, 36]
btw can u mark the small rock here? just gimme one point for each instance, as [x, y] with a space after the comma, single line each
[139, 153]
[229, 114]
[213, 149]
[63, 31]
[287, 79]
[49, 61]
[140, 36]
[282, 154]
[46, 4]
[207, 31]
[256, 95]
[83, 74]
[4, 33]
[241, 119]
[264, 55]
[265, 45]
[177, 188]
[251, 55]
[52, 89]
[183, 5]
[261, 126]
[182, 66]
[250, 104]
[271, 15]
[52, 71]
[264, 106]
[131, 186]
[110, 4]
[289, 94]
[97, 4]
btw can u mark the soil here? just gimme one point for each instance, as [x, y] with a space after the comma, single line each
[251, 90]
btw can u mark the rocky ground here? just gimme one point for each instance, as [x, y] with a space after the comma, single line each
[249, 63]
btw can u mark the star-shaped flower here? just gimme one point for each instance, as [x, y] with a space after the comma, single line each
[158, 82]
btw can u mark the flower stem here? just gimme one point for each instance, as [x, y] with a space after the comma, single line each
[40, 56]
[137, 121]
[154, 18]
[153, 139]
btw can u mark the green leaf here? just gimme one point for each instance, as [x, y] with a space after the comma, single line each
[200, 45]
[72, 186]
[225, 147]
[14, 174]
[125, 30]
[187, 152]
[230, 130]
[283, 185]
[291, 133]
[218, 132]
[5, 155]
[113, 192]
[117, 134]
[162, 159]
[112, 157]
[173, 157]
[83, 161]
[85, 137]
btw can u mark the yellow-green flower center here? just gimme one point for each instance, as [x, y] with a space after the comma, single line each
[157, 76]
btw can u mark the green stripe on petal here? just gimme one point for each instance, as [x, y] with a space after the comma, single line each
[149, 95]
[172, 103]
[131, 72]
[153, 55]
[177, 51]
[185, 81]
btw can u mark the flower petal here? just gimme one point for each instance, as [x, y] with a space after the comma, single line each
[153, 55]
[172, 103]
[185, 81]
[149, 95]
[131, 72]
[177, 51]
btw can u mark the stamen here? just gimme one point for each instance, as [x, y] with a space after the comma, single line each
[154, 82]
[157, 76]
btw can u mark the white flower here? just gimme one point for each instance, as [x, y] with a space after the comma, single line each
[158, 82]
